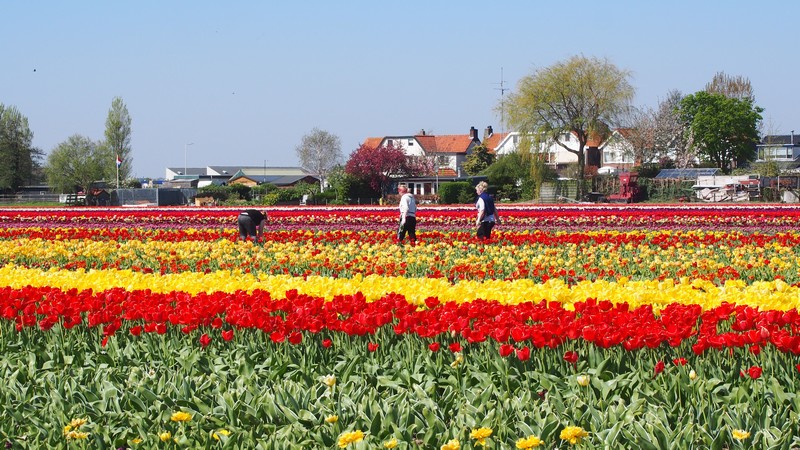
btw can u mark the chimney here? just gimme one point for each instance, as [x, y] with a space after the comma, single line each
[473, 132]
[792, 141]
[488, 132]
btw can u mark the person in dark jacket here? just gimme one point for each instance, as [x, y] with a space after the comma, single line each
[251, 224]
[487, 213]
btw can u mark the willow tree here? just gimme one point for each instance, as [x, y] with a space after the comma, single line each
[583, 96]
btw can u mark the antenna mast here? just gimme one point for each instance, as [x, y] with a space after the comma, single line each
[502, 90]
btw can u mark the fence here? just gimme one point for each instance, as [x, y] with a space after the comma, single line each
[155, 197]
[44, 197]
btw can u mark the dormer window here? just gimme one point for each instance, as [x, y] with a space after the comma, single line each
[410, 142]
[389, 142]
[566, 137]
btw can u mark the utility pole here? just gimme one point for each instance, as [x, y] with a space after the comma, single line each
[502, 90]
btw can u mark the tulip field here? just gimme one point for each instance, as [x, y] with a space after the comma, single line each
[578, 326]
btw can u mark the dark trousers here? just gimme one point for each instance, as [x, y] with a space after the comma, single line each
[485, 230]
[409, 227]
[247, 227]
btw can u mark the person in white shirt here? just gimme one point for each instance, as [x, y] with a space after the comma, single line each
[408, 215]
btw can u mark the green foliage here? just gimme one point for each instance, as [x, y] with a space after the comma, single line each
[340, 184]
[130, 183]
[763, 169]
[581, 95]
[262, 189]
[118, 136]
[723, 130]
[239, 191]
[77, 163]
[478, 160]
[649, 170]
[270, 395]
[18, 158]
[456, 192]
[219, 193]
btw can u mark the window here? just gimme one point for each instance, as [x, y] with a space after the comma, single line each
[410, 142]
[389, 142]
[566, 137]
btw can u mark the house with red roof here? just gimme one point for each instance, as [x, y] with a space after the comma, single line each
[448, 153]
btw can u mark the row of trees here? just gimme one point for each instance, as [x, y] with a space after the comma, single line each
[74, 164]
[80, 161]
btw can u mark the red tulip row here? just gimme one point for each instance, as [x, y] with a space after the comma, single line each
[538, 324]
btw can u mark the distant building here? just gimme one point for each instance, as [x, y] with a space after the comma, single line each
[249, 175]
[783, 149]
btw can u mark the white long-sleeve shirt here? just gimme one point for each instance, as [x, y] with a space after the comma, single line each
[408, 206]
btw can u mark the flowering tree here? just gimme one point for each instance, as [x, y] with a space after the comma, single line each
[377, 166]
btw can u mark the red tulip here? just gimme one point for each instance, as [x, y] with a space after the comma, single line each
[680, 361]
[327, 343]
[205, 340]
[227, 335]
[659, 367]
[455, 347]
[754, 372]
[434, 346]
[506, 349]
[524, 354]
[372, 346]
[571, 357]
[295, 338]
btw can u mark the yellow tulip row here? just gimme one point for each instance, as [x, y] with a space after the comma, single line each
[765, 295]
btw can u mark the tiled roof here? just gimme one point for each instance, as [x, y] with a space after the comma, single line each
[447, 173]
[454, 143]
[373, 142]
[494, 140]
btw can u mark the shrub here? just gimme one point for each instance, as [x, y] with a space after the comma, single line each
[456, 192]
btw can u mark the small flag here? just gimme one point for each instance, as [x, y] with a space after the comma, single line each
[119, 162]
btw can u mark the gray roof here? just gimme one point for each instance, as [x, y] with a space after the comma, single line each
[780, 139]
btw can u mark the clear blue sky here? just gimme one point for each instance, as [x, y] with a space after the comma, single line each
[245, 80]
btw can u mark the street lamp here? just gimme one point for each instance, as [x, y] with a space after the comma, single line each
[185, 146]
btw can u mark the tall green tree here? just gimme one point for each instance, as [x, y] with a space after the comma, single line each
[319, 151]
[75, 164]
[118, 138]
[583, 96]
[19, 159]
[723, 130]
[478, 160]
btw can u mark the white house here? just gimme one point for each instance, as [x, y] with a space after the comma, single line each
[448, 152]
[615, 152]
